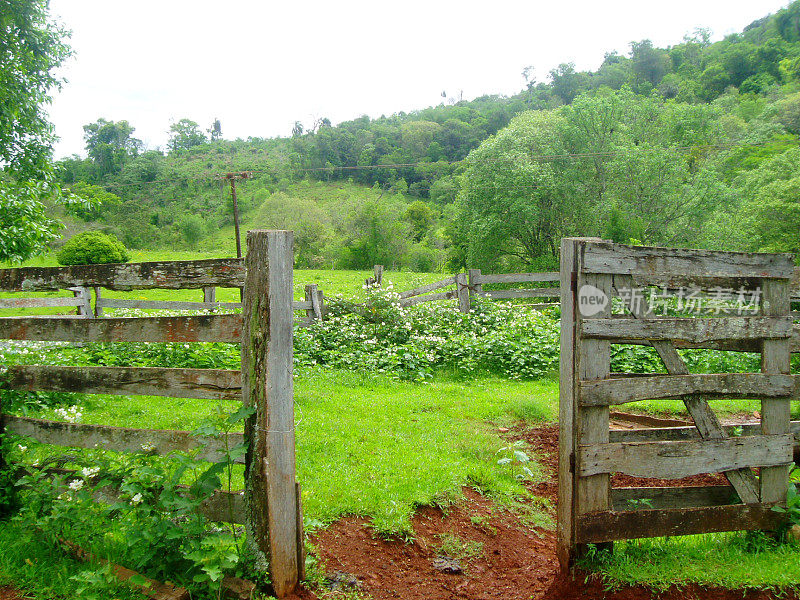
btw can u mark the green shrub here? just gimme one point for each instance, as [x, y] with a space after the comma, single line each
[91, 248]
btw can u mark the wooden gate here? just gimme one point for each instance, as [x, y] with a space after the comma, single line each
[589, 509]
[270, 507]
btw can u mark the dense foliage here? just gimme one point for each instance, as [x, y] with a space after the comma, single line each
[31, 48]
[92, 248]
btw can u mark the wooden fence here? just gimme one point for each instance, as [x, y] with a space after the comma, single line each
[313, 305]
[466, 287]
[590, 510]
[270, 507]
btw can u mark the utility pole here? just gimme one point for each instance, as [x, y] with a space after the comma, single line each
[232, 177]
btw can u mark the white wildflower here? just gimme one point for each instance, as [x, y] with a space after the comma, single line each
[148, 446]
[76, 484]
[89, 472]
[22, 448]
[137, 498]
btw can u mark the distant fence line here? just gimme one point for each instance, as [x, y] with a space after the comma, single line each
[469, 286]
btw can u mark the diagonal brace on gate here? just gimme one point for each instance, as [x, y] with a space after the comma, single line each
[705, 419]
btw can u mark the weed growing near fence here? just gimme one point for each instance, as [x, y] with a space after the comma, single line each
[147, 518]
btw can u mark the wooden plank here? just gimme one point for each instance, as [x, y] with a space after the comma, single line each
[690, 433]
[39, 302]
[195, 328]
[674, 460]
[645, 498]
[424, 289]
[704, 418]
[462, 288]
[775, 413]
[724, 385]
[212, 384]
[518, 278]
[619, 259]
[119, 439]
[314, 310]
[85, 296]
[565, 521]
[267, 385]
[144, 585]
[594, 363]
[608, 526]
[302, 305]
[221, 506]
[164, 304]
[694, 331]
[508, 294]
[429, 298]
[475, 285]
[182, 274]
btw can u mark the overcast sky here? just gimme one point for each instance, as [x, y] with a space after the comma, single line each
[260, 66]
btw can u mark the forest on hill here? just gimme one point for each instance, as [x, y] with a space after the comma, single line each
[692, 145]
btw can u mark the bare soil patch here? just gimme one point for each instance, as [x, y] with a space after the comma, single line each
[516, 562]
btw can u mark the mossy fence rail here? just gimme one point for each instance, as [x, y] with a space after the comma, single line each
[590, 510]
[89, 301]
[270, 506]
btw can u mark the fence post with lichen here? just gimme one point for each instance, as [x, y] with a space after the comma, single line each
[271, 501]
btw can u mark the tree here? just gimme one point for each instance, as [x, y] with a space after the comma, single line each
[31, 47]
[185, 134]
[192, 228]
[516, 206]
[648, 63]
[109, 144]
[215, 131]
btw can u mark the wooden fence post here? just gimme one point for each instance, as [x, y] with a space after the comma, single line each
[98, 309]
[377, 276]
[565, 524]
[83, 293]
[775, 412]
[312, 296]
[210, 295]
[267, 385]
[321, 303]
[474, 284]
[462, 289]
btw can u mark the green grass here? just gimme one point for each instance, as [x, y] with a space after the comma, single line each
[31, 561]
[727, 560]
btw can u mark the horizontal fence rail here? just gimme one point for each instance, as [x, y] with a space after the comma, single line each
[210, 384]
[189, 274]
[120, 439]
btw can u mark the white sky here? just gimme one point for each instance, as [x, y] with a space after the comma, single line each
[260, 66]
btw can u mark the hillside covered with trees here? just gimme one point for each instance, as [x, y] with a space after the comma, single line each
[693, 145]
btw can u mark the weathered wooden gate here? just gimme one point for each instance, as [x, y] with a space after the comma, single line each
[270, 507]
[589, 510]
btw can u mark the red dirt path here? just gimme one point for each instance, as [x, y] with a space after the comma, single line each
[516, 563]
